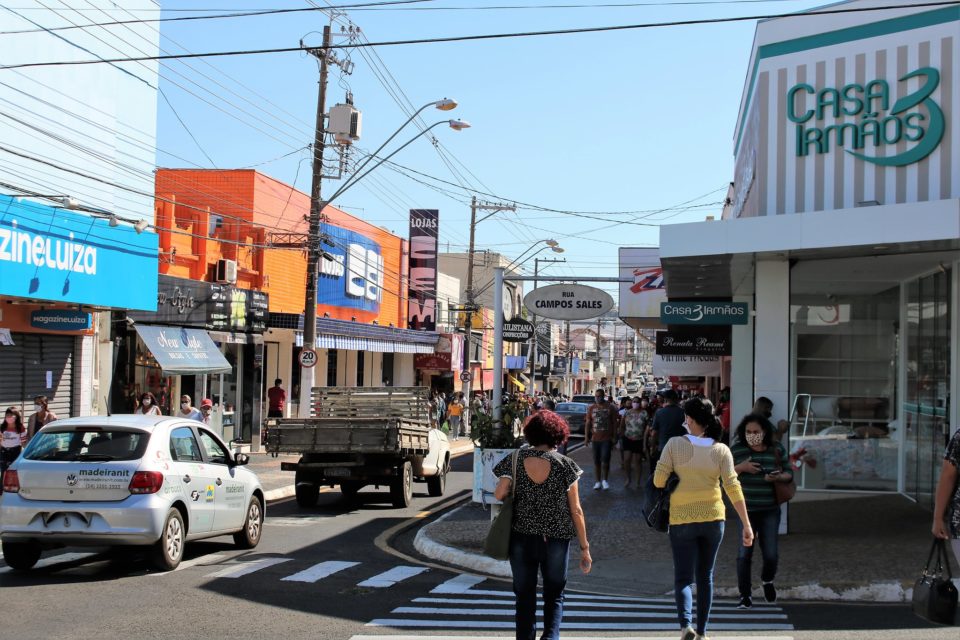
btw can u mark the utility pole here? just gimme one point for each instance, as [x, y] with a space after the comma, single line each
[307, 379]
[471, 303]
[533, 345]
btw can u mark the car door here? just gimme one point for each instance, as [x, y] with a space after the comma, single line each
[188, 468]
[230, 492]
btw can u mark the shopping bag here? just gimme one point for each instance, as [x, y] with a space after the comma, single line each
[934, 594]
[497, 543]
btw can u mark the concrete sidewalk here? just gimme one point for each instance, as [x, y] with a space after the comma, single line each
[858, 547]
[278, 484]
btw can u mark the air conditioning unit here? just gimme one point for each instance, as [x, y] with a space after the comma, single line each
[344, 122]
[226, 272]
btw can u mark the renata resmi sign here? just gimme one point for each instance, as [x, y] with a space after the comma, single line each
[867, 120]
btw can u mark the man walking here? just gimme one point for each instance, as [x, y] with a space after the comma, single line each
[455, 415]
[187, 410]
[601, 423]
[276, 399]
[667, 423]
[41, 416]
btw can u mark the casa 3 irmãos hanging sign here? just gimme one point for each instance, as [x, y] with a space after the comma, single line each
[568, 302]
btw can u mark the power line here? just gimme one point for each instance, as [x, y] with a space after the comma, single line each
[489, 36]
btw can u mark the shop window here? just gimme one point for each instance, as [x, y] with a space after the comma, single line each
[331, 367]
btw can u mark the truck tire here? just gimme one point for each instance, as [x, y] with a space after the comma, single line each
[307, 492]
[436, 484]
[349, 490]
[401, 489]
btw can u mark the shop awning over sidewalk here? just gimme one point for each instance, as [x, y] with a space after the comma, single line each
[180, 351]
[356, 336]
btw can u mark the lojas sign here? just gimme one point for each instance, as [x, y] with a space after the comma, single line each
[424, 231]
[568, 302]
[867, 120]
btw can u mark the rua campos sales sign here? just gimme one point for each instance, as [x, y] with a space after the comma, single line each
[568, 302]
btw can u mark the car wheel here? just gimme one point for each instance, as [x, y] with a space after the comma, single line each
[168, 550]
[401, 489]
[249, 536]
[21, 556]
[436, 484]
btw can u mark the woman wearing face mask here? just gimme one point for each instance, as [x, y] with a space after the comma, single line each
[760, 462]
[41, 416]
[633, 426]
[148, 406]
[697, 511]
[13, 437]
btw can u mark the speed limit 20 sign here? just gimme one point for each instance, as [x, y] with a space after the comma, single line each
[308, 358]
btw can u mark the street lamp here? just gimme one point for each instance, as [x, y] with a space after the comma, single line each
[317, 205]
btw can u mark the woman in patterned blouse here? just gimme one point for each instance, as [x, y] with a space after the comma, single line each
[546, 516]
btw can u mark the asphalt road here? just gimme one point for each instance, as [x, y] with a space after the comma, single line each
[320, 573]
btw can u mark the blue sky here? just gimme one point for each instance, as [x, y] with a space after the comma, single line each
[625, 121]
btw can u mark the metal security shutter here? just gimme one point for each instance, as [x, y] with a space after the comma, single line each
[24, 367]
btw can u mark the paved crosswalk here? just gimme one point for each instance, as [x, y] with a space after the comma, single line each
[459, 603]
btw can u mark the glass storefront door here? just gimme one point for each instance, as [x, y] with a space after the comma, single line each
[926, 403]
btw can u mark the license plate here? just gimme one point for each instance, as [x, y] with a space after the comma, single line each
[336, 472]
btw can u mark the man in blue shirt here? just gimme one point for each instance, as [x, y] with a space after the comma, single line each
[667, 423]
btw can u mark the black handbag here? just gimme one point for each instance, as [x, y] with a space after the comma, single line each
[934, 594]
[497, 543]
[656, 503]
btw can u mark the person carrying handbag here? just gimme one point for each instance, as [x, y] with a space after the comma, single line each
[546, 515]
[946, 510]
[760, 469]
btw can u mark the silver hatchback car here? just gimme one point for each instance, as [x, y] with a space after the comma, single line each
[127, 480]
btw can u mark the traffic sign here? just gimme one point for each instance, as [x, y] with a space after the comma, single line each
[465, 376]
[308, 358]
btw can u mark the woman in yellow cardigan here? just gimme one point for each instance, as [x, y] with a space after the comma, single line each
[697, 512]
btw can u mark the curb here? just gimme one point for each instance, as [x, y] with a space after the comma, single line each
[434, 550]
[279, 494]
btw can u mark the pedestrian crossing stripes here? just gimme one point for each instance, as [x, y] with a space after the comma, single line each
[392, 577]
[246, 567]
[54, 561]
[319, 571]
[459, 604]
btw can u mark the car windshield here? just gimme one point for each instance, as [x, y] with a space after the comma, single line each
[572, 407]
[95, 444]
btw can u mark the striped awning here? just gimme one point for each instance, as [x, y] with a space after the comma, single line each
[351, 343]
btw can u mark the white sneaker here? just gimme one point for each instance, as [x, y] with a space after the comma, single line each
[596, 485]
[605, 485]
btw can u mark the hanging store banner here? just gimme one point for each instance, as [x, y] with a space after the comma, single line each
[686, 366]
[700, 313]
[517, 331]
[424, 234]
[641, 288]
[351, 274]
[192, 303]
[48, 253]
[705, 341]
[568, 302]
[447, 355]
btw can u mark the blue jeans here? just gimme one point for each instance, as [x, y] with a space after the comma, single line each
[601, 452]
[766, 529]
[695, 549]
[528, 554]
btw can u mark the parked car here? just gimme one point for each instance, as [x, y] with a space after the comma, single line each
[149, 481]
[575, 413]
[633, 387]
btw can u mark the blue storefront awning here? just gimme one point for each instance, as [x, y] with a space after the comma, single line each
[180, 351]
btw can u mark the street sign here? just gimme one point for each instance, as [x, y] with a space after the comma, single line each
[568, 302]
[308, 358]
[694, 341]
[517, 331]
[465, 376]
[686, 312]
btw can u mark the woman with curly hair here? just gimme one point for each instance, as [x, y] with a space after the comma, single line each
[546, 516]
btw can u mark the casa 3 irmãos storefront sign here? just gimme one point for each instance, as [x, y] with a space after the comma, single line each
[568, 302]
[864, 118]
[704, 313]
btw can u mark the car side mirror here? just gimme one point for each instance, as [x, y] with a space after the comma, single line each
[241, 459]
